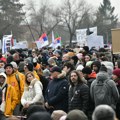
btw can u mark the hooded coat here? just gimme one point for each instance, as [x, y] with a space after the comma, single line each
[102, 76]
[32, 93]
[10, 97]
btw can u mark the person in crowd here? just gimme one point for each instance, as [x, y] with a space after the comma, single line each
[15, 67]
[9, 96]
[36, 65]
[29, 67]
[16, 82]
[78, 93]
[76, 115]
[32, 92]
[117, 64]
[40, 116]
[89, 75]
[116, 78]
[56, 97]
[57, 114]
[2, 65]
[65, 58]
[58, 55]
[35, 107]
[44, 78]
[2, 116]
[85, 50]
[96, 66]
[103, 90]
[74, 60]
[103, 112]
[67, 68]
[104, 60]
[2, 58]
[95, 56]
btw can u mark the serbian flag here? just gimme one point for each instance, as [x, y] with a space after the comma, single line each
[42, 41]
[58, 40]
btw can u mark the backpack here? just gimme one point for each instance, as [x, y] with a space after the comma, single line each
[18, 80]
[102, 94]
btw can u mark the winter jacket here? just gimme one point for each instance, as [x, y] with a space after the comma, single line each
[79, 97]
[11, 100]
[32, 93]
[19, 86]
[102, 77]
[57, 94]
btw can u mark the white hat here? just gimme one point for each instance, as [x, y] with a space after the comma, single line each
[79, 67]
[14, 64]
[3, 74]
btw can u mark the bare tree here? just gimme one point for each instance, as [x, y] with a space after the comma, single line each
[73, 13]
[45, 19]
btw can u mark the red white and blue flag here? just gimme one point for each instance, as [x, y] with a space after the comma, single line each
[55, 41]
[42, 41]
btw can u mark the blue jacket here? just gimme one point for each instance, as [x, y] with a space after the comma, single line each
[57, 94]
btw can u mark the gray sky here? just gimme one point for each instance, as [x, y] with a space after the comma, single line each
[95, 3]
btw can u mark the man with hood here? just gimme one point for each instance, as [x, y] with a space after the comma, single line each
[9, 96]
[103, 90]
[16, 81]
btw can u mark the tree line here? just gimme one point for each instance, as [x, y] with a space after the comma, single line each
[70, 15]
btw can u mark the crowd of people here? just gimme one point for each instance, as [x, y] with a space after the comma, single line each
[59, 84]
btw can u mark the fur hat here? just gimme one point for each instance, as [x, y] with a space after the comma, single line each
[116, 72]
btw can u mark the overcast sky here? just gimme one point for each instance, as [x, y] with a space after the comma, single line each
[95, 3]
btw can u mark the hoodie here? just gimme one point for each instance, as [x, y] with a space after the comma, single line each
[102, 76]
[10, 97]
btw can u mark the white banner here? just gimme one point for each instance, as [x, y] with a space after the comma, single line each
[81, 35]
[21, 45]
[95, 41]
[6, 43]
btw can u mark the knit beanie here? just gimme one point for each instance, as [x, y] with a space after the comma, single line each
[86, 70]
[96, 63]
[8, 64]
[116, 72]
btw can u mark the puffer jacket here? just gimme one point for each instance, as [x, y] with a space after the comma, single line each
[79, 97]
[10, 97]
[11, 100]
[57, 94]
[32, 93]
[111, 86]
[19, 87]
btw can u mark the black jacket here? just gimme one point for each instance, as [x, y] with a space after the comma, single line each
[57, 94]
[79, 97]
